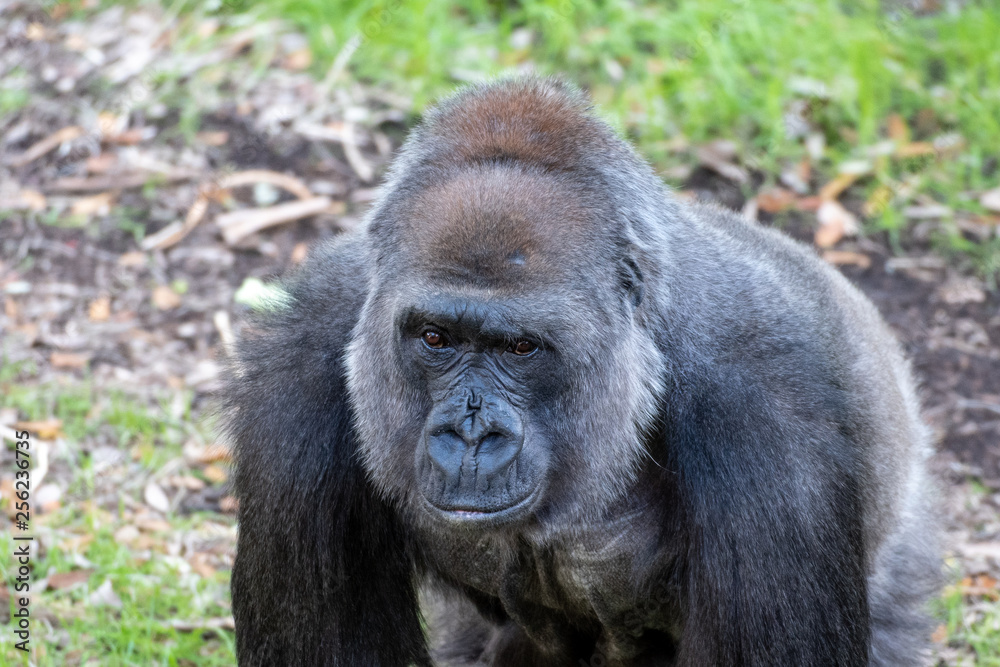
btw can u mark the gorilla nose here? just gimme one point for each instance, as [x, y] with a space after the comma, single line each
[490, 445]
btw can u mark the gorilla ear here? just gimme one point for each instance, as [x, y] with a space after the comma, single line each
[631, 279]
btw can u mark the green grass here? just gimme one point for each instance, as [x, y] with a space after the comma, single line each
[155, 585]
[974, 626]
[154, 589]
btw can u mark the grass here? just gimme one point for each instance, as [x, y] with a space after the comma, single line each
[154, 588]
[149, 571]
[733, 69]
[974, 624]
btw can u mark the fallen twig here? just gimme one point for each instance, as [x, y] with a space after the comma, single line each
[176, 231]
[47, 144]
[252, 176]
[112, 182]
[225, 623]
[240, 224]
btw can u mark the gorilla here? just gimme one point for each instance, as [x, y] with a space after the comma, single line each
[537, 411]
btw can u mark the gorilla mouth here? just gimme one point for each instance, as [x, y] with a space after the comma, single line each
[467, 515]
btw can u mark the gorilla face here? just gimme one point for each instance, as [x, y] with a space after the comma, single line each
[482, 453]
[491, 380]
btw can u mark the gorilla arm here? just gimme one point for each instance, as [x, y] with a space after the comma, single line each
[774, 572]
[322, 573]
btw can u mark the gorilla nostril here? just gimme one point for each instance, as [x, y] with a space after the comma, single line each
[497, 441]
[496, 452]
[446, 450]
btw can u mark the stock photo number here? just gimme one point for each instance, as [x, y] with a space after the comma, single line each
[21, 555]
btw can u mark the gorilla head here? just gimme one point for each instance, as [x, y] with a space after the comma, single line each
[588, 424]
[495, 367]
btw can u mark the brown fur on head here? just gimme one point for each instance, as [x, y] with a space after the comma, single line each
[543, 123]
[540, 131]
[498, 225]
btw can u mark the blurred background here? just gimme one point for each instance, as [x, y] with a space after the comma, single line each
[161, 162]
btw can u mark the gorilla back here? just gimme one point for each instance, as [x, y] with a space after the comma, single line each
[571, 421]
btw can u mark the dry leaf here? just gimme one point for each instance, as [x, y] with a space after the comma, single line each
[940, 634]
[276, 178]
[808, 203]
[189, 482]
[958, 290]
[229, 504]
[49, 429]
[215, 474]
[297, 60]
[978, 549]
[126, 534]
[165, 298]
[132, 259]
[61, 10]
[144, 542]
[69, 360]
[203, 625]
[35, 32]
[63, 580]
[915, 149]
[832, 190]
[153, 525]
[78, 543]
[110, 123]
[155, 497]
[208, 27]
[116, 181]
[299, 253]
[981, 585]
[77, 42]
[775, 200]
[716, 156]
[33, 199]
[132, 137]
[898, 129]
[835, 222]
[101, 164]
[846, 257]
[105, 596]
[209, 454]
[199, 563]
[100, 309]
[213, 138]
[99, 204]
[47, 497]
[990, 200]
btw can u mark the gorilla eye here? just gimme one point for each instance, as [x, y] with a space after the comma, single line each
[433, 339]
[523, 348]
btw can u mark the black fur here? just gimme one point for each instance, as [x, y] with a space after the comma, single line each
[322, 574]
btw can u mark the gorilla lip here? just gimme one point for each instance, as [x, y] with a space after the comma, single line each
[470, 516]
